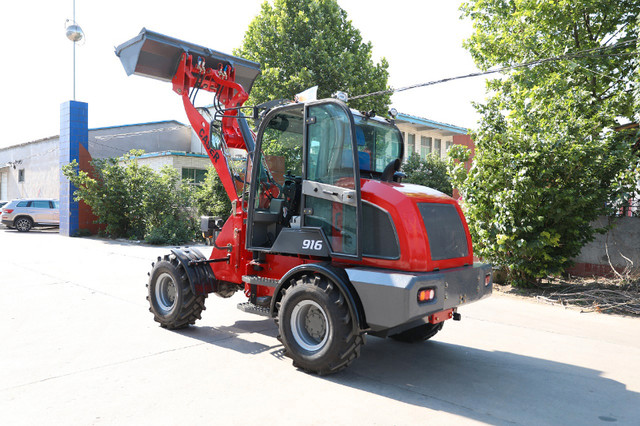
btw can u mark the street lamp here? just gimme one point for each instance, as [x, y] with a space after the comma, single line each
[75, 34]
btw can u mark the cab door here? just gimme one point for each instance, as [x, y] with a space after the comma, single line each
[331, 180]
[275, 166]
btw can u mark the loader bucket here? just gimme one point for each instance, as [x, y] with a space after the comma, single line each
[155, 55]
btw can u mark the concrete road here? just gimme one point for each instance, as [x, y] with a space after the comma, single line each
[78, 346]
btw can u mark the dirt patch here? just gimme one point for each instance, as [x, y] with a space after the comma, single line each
[608, 296]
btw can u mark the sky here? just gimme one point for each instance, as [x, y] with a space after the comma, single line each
[421, 40]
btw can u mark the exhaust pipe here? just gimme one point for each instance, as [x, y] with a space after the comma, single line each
[156, 55]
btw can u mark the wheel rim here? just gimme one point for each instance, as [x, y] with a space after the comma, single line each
[22, 225]
[166, 292]
[309, 325]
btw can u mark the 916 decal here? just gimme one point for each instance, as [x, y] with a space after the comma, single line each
[312, 244]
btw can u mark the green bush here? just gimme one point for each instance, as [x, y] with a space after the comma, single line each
[210, 196]
[530, 196]
[173, 231]
[134, 201]
[170, 219]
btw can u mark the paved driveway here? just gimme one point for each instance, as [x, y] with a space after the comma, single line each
[78, 346]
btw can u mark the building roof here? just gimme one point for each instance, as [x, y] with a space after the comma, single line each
[138, 124]
[168, 153]
[425, 124]
[49, 138]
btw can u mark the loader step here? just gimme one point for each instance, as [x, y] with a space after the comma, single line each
[254, 309]
[256, 280]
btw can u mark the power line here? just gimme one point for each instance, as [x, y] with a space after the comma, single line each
[18, 160]
[141, 132]
[579, 54]
[633, 83]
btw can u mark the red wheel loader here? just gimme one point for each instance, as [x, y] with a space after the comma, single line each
[322, 236]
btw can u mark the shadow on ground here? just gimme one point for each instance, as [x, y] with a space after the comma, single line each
[33, 231]
[488, 386]
[231, 337]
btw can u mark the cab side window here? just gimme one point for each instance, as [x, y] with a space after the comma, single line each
[279, 169]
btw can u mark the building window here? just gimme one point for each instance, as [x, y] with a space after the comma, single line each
[448, 145]
[195, 176]
[425, 146]
[438, 147]
[21, 175]
[412, 144]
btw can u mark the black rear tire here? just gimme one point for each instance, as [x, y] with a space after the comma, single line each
[316, 326]
[172, 302]
[23, 224]
[418, 334]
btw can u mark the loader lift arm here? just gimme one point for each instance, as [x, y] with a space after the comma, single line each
[190, 68]
[195, 76]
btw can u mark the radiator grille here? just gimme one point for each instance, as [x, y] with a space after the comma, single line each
[445, 231]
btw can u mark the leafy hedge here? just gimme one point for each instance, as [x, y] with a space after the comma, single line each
[136, 202]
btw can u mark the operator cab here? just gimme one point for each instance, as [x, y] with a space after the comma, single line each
[304, 194]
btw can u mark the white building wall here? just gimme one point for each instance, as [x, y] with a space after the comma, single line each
[196, 144]
[407, 129]
[156, 162]
[178, 161]
[4, 176]
[189, 162]
[39, 162]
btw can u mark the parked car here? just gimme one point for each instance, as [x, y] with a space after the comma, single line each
[2, 203]
[27, 213]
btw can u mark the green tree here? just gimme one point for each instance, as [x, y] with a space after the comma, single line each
[303, 43]
[547, 161]
[431, 172]
[210, 196]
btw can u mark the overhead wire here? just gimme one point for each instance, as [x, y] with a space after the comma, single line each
[574, 55]
[633, 83]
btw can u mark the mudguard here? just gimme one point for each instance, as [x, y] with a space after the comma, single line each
[200, 275]
[337, 275]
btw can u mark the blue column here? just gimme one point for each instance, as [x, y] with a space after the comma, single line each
[74, 133]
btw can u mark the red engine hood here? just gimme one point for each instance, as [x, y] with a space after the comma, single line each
[401, 200]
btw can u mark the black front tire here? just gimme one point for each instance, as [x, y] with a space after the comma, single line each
[172, 302]
[316, 326]
[418, 334]
[23, 224]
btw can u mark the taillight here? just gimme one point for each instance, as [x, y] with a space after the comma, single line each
[426, 295]
[7, 211]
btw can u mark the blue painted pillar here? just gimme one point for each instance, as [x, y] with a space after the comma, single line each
[74, 140]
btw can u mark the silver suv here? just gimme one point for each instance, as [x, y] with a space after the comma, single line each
[25, 214]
